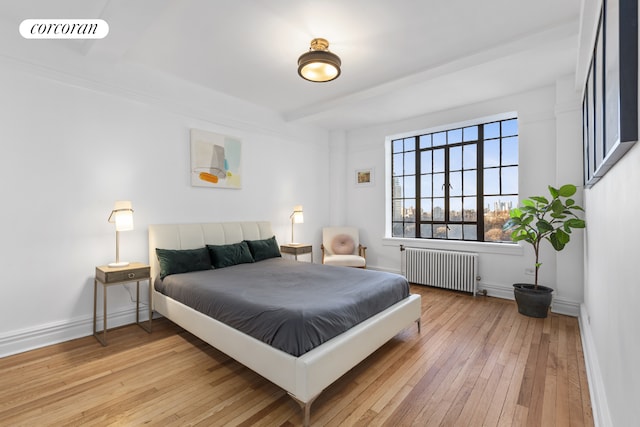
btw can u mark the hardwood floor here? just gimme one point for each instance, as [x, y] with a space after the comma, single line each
[476, 362]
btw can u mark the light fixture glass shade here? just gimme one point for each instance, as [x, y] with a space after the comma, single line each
[319, 65]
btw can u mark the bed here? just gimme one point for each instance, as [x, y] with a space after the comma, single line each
[302, 376]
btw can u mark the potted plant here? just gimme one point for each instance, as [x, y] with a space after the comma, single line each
[538, 219]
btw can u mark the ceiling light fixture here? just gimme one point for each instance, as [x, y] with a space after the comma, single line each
[319, 65]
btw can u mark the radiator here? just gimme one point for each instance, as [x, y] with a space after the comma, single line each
[444, 269]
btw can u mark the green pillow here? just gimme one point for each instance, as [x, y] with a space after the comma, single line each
[264, 249]
[228, 255]
[174, 261]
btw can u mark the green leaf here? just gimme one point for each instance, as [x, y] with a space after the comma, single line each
[557, 207]
[570, 202]
[544, 226]
[527, 202]
[576, 223]
[567, 190]
[540, 199]
[555, 242]
[562, 237]
[515, 213]
[553, 192]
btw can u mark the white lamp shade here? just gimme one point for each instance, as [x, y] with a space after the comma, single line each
[122, 215]
[298, 216]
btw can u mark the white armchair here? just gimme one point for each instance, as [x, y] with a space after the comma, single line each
[341, 246]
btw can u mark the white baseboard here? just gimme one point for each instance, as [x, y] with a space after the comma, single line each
[559, 305]
[53, 333]
[599, 405]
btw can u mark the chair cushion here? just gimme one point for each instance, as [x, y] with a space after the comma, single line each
[345, 260]
[343, 244]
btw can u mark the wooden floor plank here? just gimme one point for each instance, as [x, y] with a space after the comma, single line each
[477, 361]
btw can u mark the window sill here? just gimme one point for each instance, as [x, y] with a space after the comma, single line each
[457, 245]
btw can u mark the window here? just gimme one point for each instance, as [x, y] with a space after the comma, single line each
[456, 184]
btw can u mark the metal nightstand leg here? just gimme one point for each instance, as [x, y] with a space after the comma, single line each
[146, 327]
[101, 339]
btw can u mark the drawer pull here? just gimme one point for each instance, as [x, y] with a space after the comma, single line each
[132, 275]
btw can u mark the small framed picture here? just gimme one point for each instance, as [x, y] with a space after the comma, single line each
[364, 176]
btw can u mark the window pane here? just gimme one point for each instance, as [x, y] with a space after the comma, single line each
[398, 168]
[510, 127]
[410, 163]
[426, 182]
[510, 180]
[410, 144]
[409, 210]
[425, 161]
[439, 231]
[455, 231]
[409, 230]
[491, 153]
[398, 145]
[439, 138]
[397, 187]
[397, 209]
[438, 209]
[510, 151]
[426, 210]
[438, 160]
[470, 232]
[470, 183]
[438, 185]
[470, 209]
[425, 141]
[410, 186]
[455, 158]
[455, 181]
[454, 136]
[425, 231]
[470, 133]
[491, 181]
[469, 159]
[492, 130]
[455, 209]
[397, 229]
[496, 214]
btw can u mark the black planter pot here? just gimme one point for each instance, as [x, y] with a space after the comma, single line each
[532, 302]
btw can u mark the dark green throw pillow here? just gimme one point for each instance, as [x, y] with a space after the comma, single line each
[264, 249]
[174, 261]
[228, 255]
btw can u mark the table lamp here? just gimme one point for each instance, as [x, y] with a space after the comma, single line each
[122, 216]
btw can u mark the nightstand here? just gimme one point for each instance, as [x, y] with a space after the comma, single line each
[134, 272]
[296, 249]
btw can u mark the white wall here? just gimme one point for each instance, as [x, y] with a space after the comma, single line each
[500, 265]
[68, 152]
[611, 295]
[610, 316]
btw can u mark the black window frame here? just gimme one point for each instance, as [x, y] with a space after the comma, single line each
[411, 223]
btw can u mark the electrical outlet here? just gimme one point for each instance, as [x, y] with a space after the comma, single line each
[529, 271]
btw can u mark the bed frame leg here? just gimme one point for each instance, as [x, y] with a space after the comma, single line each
[419, 322]
[306, 409]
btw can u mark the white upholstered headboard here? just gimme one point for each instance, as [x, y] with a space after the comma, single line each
[192, 236]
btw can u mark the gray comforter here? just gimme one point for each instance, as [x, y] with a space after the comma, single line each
[292, 306]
